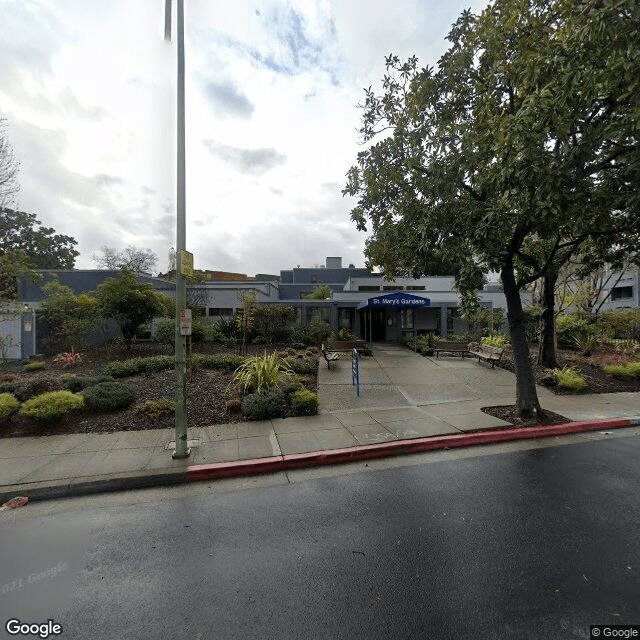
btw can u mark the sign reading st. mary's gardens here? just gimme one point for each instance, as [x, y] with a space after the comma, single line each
[398, 300]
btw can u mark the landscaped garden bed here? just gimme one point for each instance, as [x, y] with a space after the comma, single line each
[212, 395]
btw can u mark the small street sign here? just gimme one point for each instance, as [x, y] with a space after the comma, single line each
[185, 322]
[186, 264]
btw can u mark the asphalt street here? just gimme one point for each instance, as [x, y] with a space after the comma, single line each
[533, 543]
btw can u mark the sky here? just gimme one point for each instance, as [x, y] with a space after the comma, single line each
[88, 90]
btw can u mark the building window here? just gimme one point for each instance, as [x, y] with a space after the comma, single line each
[419, 287]
[368, 287]
[621, 293]
[392, 288]
[345, 318]
[406, 318]
[220, 311]
[318, 314]
[452, 314]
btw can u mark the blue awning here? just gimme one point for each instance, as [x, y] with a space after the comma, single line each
[397, 300]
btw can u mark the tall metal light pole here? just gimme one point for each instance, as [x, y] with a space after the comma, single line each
[182, 451]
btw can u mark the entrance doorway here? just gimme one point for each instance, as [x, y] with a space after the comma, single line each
[375, 323]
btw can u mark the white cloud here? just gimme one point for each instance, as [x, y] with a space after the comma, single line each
[89, 93]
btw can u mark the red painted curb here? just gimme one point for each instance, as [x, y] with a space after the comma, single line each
[395, 447]
[237, 468]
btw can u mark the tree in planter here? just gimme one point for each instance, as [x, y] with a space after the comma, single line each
[517, 150]
[70, 316]
[130, 302]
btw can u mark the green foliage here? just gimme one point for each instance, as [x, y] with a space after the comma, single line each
[261, 373]
[130, 302]
[220, 361]
[36, 365]
[166, 331]
[498, 340]
[32, 388]
[8, 404]
[342, 334]
[226, 328]
[304, 402]
[628, 371]
[570, 326]
[302, 366]
[108, 396]
[272, 321]
[569, 378]
[620, 323]
[45, 249]
[75, 383]
[157, 409]
[319, 293]
[70, 316]
[15, 265]
[457, 337]
[68, 358]
[52, 405]
[265, 405]
[135, 366]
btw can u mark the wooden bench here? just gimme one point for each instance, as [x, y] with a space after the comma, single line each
[346, 345]
[329, 356]
[450, 347]
[486, 352]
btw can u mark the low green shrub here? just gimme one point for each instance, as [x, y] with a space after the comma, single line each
[302, 366]
[570, 326]
[108, 396]
[342, 334]
[265, 405]
[78, 383]
[304, 402]
[627, 371]
[32, 388]
[220, 361]
[51, 405]
[8, 404]
[156, 409]
[136, 366]
[36, 365]
[569, 378]
[499, 340]
[458, 337]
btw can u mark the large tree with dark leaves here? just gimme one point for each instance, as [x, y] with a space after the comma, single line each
[518, 149]
[45, 249]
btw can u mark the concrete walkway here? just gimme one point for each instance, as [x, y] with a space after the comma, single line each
[404, 396]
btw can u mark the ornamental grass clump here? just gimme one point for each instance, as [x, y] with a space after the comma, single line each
[261, 373]
[51, 405]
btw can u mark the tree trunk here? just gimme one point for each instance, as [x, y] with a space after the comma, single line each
[527, 404]
[547, 348]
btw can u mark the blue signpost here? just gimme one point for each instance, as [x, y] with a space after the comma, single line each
[355, 371]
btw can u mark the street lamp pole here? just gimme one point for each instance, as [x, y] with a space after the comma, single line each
[182, 450]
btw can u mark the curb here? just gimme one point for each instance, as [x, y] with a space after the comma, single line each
[158, 477]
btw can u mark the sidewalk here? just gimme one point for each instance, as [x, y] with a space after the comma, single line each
[408, 403]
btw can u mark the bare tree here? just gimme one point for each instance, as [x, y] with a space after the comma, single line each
[132, 258]
[9, 167]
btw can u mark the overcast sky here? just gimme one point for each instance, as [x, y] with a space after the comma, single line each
[88, 90]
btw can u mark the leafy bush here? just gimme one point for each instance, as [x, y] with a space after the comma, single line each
[261, 372]
[620, 323]
[304, 402]
[302, 366]
[499, 340]
[75, 384]
[585, 343]
[259, 340]
[569, 326]
[458, 337]
[156, 409]
[166, 330]
[33, 388]
[569, 378]
[265, 405]
[108, 396]
[8, 404]
[628, 371]
[342, 334]
[51, 405]
[220, 361]
[135, 366]
[36, 365]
